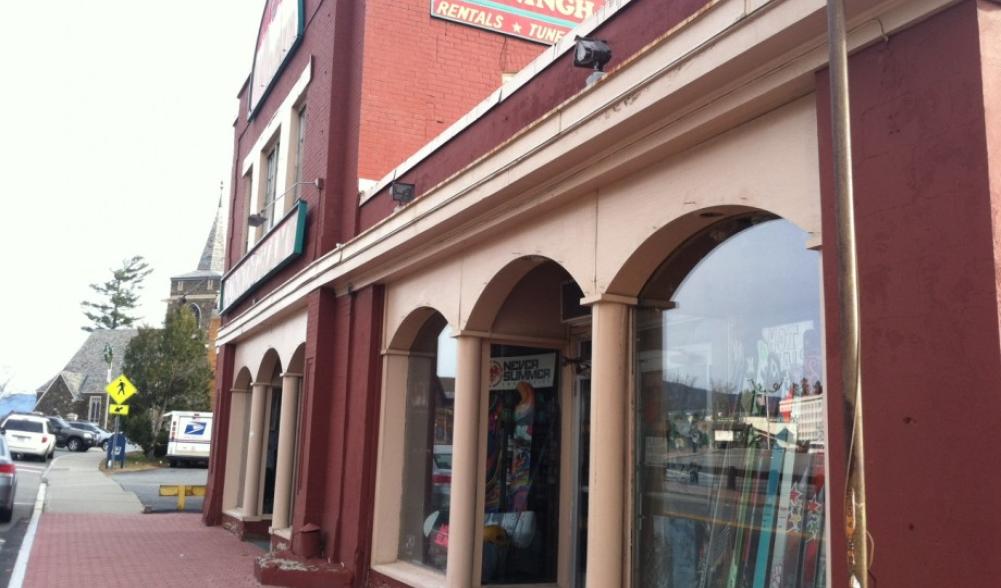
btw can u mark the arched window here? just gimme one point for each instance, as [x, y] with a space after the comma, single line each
[427, 461]
[730, 423]
[197, 313]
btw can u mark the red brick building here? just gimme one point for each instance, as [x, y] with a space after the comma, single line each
[593, 349]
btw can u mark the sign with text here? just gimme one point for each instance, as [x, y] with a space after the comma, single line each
[537, 370]
[542, 21]
[281, 30]
[277, 249]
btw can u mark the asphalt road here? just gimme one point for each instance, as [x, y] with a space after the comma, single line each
[146, 486]
[29, 477]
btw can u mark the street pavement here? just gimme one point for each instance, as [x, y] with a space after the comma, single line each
[92, 533]
[29, 475]
[146, 486]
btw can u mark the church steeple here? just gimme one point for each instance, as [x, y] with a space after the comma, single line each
[212, 254]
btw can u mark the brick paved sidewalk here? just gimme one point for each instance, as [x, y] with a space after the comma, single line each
[73, 550]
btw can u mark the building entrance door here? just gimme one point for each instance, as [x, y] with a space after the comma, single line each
[271, 451]
[582, 456]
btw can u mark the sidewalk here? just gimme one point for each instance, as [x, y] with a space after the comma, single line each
[92, 533]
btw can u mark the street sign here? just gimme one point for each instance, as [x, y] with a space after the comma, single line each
[122, 409]
[120, 389]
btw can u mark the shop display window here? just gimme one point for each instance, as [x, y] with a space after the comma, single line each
[730, 402]
[522, 494]
[427, 464]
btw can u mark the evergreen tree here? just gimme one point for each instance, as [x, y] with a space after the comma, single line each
[170, 369]
[120, 295]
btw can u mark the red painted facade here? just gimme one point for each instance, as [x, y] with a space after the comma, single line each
[931, 357]
[927, 140]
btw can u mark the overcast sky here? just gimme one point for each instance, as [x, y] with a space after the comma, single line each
[117, 131]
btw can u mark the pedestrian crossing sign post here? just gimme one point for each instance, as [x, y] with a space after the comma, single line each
[119, 391]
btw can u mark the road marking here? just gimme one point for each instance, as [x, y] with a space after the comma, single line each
[21, 566]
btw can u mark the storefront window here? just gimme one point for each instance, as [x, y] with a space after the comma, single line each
[730, 424]
[427, 473]
[521, 522]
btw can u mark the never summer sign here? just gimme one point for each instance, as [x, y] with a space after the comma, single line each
[277, 249]
[542, 21]
[281, 30]
[537, 370]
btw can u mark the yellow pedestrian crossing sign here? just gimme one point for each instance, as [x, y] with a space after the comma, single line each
[120, 389]
[122, 409]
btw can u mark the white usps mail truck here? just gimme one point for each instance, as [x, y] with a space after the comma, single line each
[189, 436]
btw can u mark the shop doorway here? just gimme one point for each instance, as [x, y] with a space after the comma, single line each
[581, 435]
[271, 451]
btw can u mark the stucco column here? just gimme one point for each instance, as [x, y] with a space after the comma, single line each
[252, 480]
[287, 428]
[465, 445]
[609, 411]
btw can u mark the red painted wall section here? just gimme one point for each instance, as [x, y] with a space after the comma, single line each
[310, 489]
[931, 357]
[333, 40]
[638, 24]
[990, 54]
[212, 509]
[363, 395]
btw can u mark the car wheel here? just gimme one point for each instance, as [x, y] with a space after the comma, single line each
[74, 444]
[172, 463]
[6, 514]
[50, 454]
[104, 446]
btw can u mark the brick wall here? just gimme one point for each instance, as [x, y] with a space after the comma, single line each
[421, 74]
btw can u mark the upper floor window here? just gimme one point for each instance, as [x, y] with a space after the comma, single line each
[300, 141]
[271, 187]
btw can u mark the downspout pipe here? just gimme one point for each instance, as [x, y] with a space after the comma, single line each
[855, 513]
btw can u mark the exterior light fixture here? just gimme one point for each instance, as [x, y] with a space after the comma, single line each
[402, 193]
[256, 219]
[592, 54]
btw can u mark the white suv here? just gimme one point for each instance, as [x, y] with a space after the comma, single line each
[29, 435]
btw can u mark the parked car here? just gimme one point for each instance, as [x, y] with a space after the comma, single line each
[69, 436]
[29, 435]
[8, 482]
[101, 437]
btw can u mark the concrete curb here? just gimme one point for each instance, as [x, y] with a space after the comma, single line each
[21, 565]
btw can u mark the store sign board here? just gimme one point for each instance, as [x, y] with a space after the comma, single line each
[281, 30]
[542, 21]
[274, 251]
[537, 370]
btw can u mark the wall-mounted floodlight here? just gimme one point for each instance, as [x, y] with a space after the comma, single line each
[402, 193]
[591, 53]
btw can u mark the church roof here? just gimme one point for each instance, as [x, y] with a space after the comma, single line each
[87, 371]
[212, 254]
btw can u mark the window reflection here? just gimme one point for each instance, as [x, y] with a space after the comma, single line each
[427, 469]
[731, 423]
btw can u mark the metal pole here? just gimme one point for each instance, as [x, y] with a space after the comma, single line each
[855, 514]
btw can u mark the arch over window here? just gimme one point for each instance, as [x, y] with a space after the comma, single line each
[730, 430]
